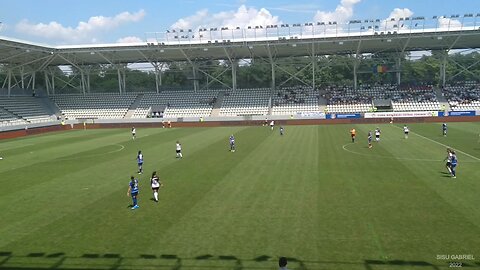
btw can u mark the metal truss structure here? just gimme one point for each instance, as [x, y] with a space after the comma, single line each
[21, 61]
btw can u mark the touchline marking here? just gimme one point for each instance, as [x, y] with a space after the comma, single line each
[439, 143]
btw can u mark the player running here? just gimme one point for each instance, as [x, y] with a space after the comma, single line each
[232, 143]
[444, 129]
[377, 134]
[353, 133]
[134, 133]
[179, 150]
[281, 131]
[133, 192]
[156, 184]
[272, 124]
[140, 162]
[406, 131]
[453, 165]
[369, 138]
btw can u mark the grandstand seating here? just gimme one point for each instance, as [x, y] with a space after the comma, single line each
[463, 97]
[415, 98]
[23, 109]
[408, 98]
[101, 106]
[185, 103]
[343, 99]
[241, 102]
[292, 100]
[9, 119]
[249, 101]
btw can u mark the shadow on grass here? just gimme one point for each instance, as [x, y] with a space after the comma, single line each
[61, 261]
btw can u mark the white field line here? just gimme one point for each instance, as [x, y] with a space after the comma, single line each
[444, 145]
[344, 147]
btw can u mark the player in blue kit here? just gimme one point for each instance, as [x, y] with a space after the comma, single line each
[453, 165]
[133, 192]
[232, 143]
[444, 129]
[140, 162]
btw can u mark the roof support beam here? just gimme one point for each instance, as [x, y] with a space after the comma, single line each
[271, 59]
[454, 43]
[465, 69]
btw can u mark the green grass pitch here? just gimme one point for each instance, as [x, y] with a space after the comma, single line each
[310, 195]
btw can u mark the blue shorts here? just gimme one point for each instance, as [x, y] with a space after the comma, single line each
[134, 194]
[140, 164]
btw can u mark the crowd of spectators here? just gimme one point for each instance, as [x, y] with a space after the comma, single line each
[416, 93]
[295, 95]
[462, 93]
[345, 95]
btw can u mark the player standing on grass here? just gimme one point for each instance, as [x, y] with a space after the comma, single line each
[134, 132]
[281, 131]
[353, 133]
[232, 143]
[133, 192]
[406, 131]
[444, 129]
[140, 162]
[156, 184]
[272, 124]
[369, 138]
[179, 150]
[453, 165]
[377, 134]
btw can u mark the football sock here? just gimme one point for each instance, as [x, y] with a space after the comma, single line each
[134, 200]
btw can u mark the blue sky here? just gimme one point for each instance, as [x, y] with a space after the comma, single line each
[106, 21]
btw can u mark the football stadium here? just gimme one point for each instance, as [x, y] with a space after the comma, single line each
[319, 145]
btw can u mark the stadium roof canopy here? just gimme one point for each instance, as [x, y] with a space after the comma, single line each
[276, 44]
[270, 42]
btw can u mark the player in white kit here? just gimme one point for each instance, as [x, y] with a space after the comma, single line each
[179, 150]
[406, 131]
[156, 184]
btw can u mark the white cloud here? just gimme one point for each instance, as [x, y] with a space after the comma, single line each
[129, 39]
[447, 23]
[398, 13]
[84, 32]
[297, 8]
[242, 17]
[343, 12]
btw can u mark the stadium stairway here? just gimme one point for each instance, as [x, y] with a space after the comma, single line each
[133, 106]
[50, 106]
[442, 100]
[218, 104]
[270, 107]
[322, 104]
